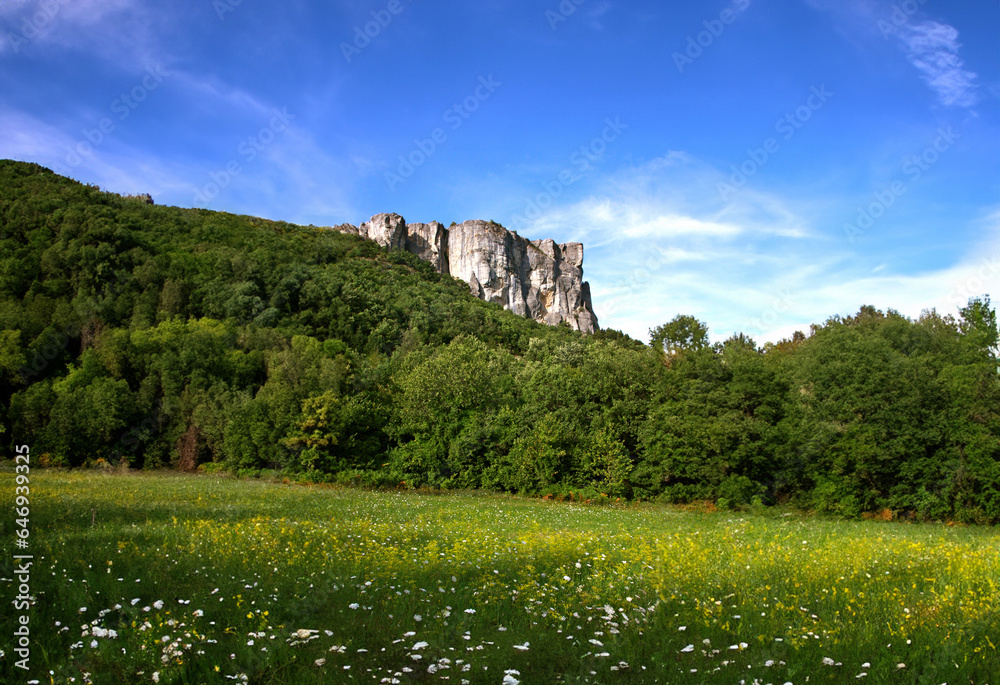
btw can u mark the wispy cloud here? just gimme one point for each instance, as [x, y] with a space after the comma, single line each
[213, 93]
[626, 218]
[122, 32]
[668, 197]
[660, 242]
[292, 179]
[932, 47]
[113, 166]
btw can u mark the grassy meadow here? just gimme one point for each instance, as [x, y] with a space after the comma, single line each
[197, 579]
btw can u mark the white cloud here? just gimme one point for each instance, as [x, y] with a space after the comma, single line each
[623, 217]
[932, 47]
[783, 294]
[660, 242]
[667, 197]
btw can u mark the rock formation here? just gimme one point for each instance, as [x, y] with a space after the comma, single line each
[430, 243]
[534, 278]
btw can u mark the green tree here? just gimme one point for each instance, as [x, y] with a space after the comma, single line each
[979, 326]
[535, 461]
[452, 390]
[607, 465]
[681, 334]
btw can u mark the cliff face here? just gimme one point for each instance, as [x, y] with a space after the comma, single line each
[534, 278]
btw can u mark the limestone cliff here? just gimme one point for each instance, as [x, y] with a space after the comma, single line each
[534, 278]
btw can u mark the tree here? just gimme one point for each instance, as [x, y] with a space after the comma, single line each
[607, 465]
[682, 334]
[336, 433]
[443, 397]
[535, 461]
[979, 326]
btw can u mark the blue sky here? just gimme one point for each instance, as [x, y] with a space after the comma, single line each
[760, 165]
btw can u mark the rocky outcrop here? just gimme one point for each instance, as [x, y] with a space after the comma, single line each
[430, 243]
[534, 278]
[558, 291]
[538, 279]
[388, 230]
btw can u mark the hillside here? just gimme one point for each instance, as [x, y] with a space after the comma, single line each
[179, 337]
[534, 278]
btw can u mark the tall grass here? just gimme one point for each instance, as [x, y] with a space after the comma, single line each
[210, 580]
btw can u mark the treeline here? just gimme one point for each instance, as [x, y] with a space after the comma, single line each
[178, 337]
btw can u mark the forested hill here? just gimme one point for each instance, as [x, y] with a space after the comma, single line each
[183, 337]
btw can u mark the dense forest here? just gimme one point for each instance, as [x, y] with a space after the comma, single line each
[159, 336]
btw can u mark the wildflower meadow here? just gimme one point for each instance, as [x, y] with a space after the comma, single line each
[164, 578]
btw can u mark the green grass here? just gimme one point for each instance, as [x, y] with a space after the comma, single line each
[208, 580]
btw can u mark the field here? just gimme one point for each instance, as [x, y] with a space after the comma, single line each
[196, 579]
